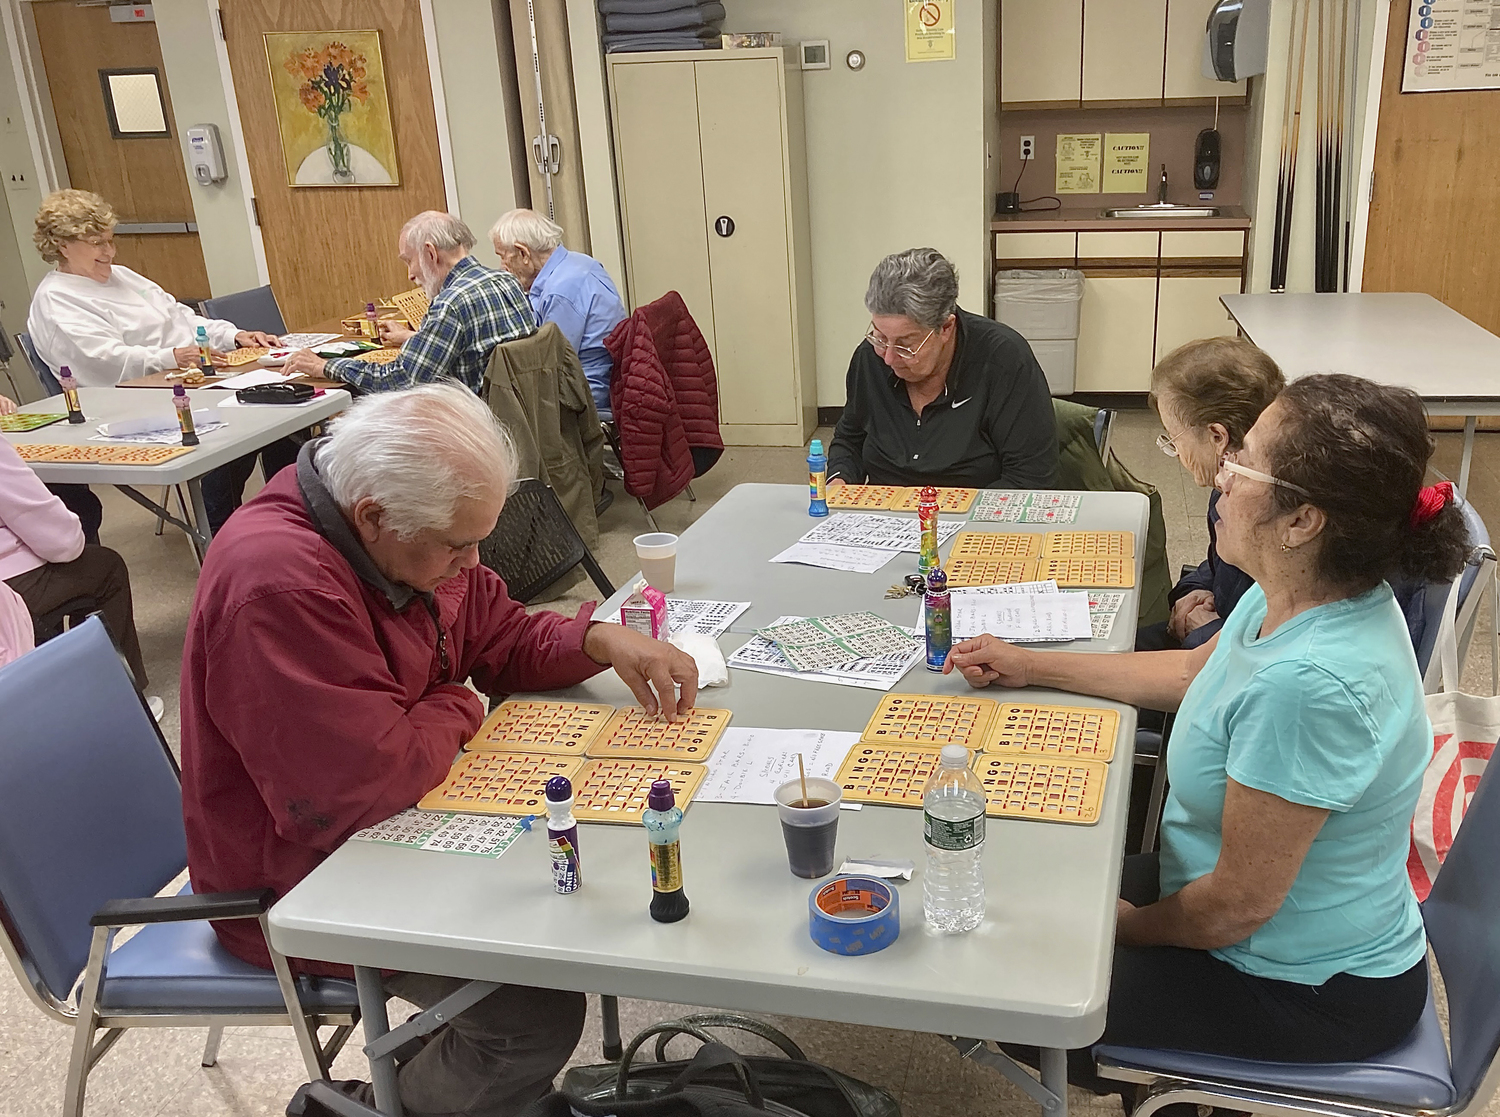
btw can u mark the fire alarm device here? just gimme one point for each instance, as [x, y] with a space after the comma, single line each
[206, 154]
[815, 55]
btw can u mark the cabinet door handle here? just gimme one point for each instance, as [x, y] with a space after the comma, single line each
[724, 225]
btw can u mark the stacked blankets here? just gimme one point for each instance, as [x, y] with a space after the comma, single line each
[661, 24]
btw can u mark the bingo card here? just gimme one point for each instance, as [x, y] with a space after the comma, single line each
[930, 721]
[990, 571]
[632, 732]
[499, 783]
[1086, 571]
[1050, 789]
[1081, 732]
[58, 453]
[996, 544]
[1089, 544]
[615, 789]
[566, 728]
[886, 774]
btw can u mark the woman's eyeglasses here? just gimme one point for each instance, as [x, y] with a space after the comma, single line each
[1167, 445]
[1229, 468]
[880, 344]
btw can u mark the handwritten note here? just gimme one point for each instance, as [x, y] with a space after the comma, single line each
[748, 765]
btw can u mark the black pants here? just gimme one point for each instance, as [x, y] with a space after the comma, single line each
[1188, 1000]
[224, 488]
[100, 575]
[81, 501]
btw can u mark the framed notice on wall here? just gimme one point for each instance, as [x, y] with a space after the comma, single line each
[1452, 44]
[929, 31]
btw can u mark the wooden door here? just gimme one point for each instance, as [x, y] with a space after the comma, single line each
[660, 176]
[1435, 213]
[142, 177]
[331, 249]
[744, 161]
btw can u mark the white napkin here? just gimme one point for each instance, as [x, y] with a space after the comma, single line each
[149, 424]
[712, 670]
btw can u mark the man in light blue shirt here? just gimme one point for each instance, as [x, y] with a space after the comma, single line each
[569, 288]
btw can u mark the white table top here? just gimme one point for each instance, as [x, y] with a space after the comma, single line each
[1397, 338]
[1035, 971]
[724, 556]
[248, 429]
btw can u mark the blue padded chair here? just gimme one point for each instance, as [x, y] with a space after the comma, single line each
[1478, 572]
[90, 831]
[255, 309]
[1462, 916]
[43, 373]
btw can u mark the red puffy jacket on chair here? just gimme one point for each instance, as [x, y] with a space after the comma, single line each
[665, 400]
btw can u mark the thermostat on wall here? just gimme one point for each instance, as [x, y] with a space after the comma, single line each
[815, 55]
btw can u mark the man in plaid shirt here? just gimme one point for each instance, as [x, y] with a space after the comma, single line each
[474, 309]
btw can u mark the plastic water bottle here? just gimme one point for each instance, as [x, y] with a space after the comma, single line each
[953, 805]
[562, 835]
[817, 479]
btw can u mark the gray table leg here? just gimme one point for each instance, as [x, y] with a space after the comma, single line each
[377, 1024]
[1470, 422]
[205, 533]
[1055, 1078]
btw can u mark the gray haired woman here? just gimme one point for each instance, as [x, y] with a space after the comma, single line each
[938, 396]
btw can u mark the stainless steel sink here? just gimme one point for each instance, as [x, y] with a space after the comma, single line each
[1164, 210]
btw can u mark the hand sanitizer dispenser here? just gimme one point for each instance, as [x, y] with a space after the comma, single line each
[206, 154]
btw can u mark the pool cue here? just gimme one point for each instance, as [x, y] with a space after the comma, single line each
[1341, 221]
[1291, 178]
[1320, 163]
[1279, 232]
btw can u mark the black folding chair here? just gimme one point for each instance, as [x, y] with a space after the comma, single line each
[255, 309]
[534, 543]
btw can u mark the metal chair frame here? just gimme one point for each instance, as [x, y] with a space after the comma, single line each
[612, 436]
[86, 1020]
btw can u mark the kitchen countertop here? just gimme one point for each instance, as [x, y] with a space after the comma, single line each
[1088, 219]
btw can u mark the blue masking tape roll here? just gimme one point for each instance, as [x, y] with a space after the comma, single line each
[853, 915]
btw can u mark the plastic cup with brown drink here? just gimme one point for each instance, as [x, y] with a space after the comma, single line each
[809, 824]
[657, 551]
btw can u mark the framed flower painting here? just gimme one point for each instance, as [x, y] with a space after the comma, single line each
[332, 108]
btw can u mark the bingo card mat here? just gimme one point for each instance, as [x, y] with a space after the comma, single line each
[996, 544]
[632, 732]
[887, 774]
[1086, 571]
[499, 783]
[1089, 544]
[56, 453]
[955, 501]
[1050, 789]
[929, 721]
[964, 572]
[564, 728]
[247, 354]
[1077, 732]
[614, 789]
[861, 496]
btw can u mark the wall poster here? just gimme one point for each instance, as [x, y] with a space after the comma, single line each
[1452, 44]
[929, 31]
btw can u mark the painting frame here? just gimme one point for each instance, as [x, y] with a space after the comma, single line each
[331, 99]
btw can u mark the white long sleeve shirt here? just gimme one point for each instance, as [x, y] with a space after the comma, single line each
[117, 330]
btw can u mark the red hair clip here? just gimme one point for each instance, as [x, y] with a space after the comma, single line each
[1430, 501]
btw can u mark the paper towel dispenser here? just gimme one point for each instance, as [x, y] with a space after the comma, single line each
[1237, 39]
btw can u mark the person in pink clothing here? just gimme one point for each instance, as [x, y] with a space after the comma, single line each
[44, 559]
[15, 626]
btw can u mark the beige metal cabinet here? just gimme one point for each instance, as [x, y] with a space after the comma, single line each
[1116, 328]
[1185, 23]
[1188, 307]
[710, 165]
[1040, 44]
[1122, 49]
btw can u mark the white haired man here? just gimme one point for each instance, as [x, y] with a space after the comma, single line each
[337, 619]
[474, 309]
[569, 288]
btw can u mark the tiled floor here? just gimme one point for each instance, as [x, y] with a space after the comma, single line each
[157, 1072]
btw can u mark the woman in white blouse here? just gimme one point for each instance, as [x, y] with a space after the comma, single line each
[102, 320]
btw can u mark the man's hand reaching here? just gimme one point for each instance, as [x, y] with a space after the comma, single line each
[644, 664]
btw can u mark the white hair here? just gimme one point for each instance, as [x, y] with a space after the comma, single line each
[441, 230]
[416, 454]
[528, 227]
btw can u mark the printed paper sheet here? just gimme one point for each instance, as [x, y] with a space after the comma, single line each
[446, 832]
[760, 653]
[888, 533]
[710, 618]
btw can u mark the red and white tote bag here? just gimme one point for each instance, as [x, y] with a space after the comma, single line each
[1465, 728]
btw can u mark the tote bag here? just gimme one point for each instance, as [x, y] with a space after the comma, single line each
[1464, 730]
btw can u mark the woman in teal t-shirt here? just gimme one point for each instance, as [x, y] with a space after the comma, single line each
[1278, 922]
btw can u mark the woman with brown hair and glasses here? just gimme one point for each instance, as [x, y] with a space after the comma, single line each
[1208, 394]
[1277, 922]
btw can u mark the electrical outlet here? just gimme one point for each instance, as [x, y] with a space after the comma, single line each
[1028, 147]
[17, 180]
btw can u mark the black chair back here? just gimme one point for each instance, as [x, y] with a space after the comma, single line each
[255, 309]
[534, 543]
[38, 366]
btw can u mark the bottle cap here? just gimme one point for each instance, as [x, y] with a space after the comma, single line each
[65, 373]
[178, 390]
[816, 448]
[929, 492]
[661, 797]
[955, 756]
[937, 581]
[559, 788]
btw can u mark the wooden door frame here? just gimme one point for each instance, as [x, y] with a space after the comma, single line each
[242, 154]
[1365, 167]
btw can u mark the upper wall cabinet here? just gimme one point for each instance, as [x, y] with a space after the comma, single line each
[1041, 42]
[1122, 50]
[1061, 53]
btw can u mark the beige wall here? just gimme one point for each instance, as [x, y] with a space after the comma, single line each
[895, 155]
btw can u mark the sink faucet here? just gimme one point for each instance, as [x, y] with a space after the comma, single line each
[1161, 190]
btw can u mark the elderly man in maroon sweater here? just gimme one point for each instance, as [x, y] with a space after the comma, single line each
[337, 618]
